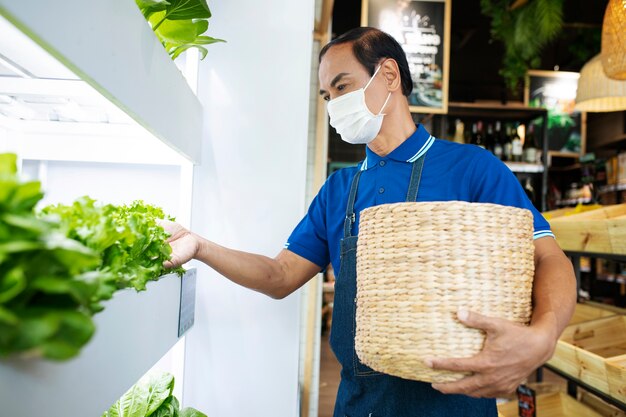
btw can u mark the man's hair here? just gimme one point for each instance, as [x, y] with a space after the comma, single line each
[369, 46]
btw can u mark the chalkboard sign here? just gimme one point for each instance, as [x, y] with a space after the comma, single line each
[422, 27]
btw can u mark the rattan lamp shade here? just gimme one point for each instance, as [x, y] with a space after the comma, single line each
[419, 263]
[614, 40]
[597, 92]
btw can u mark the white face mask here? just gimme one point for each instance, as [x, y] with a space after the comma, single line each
[352, 119]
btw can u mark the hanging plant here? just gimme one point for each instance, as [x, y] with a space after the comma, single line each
[524, 27]
[179, 24]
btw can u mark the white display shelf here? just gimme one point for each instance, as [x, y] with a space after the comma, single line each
[524, 167]
[132, 333]
[68, 50]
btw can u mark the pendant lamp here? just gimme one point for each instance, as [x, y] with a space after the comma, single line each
[597, 92]
[614, 40]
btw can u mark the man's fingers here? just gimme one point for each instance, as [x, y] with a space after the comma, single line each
[465, 386]
[473, 364]
[478, 321]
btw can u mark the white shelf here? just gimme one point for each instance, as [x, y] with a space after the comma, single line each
[524, 167]
[110, 47]
[612, 188]
[132, 333]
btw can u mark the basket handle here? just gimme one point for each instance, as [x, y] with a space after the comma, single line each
[584, 335]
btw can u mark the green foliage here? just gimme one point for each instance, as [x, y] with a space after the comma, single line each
[179, 24]
[46, 288]
[131, 245]
[56, 267]
[525, 31]
[151, 396]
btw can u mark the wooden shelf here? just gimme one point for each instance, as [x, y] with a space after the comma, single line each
[495, 110]
[132, 333]
[560, 154]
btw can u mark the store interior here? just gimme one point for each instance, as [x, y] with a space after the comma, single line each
[206, 131]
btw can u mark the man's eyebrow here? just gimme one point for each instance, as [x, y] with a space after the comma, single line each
[335, 80]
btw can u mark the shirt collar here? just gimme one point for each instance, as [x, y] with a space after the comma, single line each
[409, 151]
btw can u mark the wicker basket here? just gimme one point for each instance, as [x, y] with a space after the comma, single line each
[419, 263]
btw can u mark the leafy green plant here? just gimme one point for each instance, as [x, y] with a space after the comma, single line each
[47, 292]
[179, 24]
[131, 245]
[524, 27]
[151, 396]
[56, 267]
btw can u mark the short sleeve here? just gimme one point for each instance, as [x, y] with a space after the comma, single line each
[493, 182]
[309, 238]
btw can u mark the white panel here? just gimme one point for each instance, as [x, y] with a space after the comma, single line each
[249, 193]
[133, 332]
[113, 183]
[111, 46]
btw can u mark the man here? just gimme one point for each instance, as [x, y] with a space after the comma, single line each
[365, 76]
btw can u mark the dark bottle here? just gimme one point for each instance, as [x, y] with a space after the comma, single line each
[530, 146]
[508, 146]
[490, 139]
[498, 151]
[516, 143]
[478, 138]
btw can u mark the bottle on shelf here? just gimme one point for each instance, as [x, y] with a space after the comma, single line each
[529, 189]
[516, 146]
[477, 134]
[498, 151]
[489, 139]
[530, 146]
[459, 132]
[508, 145]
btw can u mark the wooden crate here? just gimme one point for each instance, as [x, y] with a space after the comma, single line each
[599, 406]
[552, 405]
[616, 373]
[585, 312]
[601, 231]
[584, 349]
[569, 211]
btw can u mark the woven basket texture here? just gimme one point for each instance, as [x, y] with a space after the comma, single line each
[419, 263]
[614, 40]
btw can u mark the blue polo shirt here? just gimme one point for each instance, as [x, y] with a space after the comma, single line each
[451, 172]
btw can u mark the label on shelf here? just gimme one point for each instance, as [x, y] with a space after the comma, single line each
[187, 302]
[527, 401]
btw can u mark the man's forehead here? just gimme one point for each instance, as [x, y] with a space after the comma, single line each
[339, 54]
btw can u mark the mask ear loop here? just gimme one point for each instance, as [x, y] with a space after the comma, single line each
[383, 107]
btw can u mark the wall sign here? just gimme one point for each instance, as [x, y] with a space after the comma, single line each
[556, 92]
[422, 27]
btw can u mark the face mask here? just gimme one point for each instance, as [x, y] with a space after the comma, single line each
[352, 119]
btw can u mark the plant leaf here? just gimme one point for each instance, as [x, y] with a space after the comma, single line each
[8, 164]
[169, 408]
[188, 9]
[191, 412]
[160, 386]
[132, 404]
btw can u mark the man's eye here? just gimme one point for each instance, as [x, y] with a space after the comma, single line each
[341, 87]
[326, 98]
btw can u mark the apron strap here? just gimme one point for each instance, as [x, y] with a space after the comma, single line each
[416, 177]
[350, 219]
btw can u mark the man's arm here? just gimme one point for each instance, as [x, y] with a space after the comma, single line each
[277, 277]
[512, 351]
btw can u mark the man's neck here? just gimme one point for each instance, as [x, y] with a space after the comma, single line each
[394, 132]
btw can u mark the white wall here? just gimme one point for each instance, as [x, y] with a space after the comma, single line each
[249, 193]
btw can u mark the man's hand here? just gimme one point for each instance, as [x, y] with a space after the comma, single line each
[184, 244]
[511, 352]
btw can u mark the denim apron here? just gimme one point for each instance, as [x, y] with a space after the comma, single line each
[364, 392]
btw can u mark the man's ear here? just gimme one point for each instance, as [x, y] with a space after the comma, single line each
[391, 73]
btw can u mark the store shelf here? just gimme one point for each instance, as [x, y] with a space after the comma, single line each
[573, 201]
[71, 54]
[610, 256]
[574, 382]
[133, 332]
[495, 110]
[611, 188]
[524, 167]
[564, 154]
